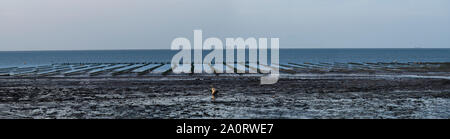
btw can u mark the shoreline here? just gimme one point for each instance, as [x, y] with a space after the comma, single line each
[167, 97]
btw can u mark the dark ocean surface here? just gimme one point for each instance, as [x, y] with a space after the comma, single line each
[33, 58]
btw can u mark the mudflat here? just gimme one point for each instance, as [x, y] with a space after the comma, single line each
[168, 97]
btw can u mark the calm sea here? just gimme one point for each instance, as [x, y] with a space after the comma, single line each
[33, 58]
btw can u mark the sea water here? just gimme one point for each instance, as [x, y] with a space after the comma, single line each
[35, 58]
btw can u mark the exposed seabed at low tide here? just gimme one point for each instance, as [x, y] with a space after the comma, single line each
[239, 97]
[152, 90]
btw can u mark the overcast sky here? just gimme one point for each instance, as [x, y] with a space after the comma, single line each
[153, 24]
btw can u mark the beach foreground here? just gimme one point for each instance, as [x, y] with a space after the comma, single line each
[169, 97]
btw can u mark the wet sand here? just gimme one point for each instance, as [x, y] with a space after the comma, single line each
[239, 97]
